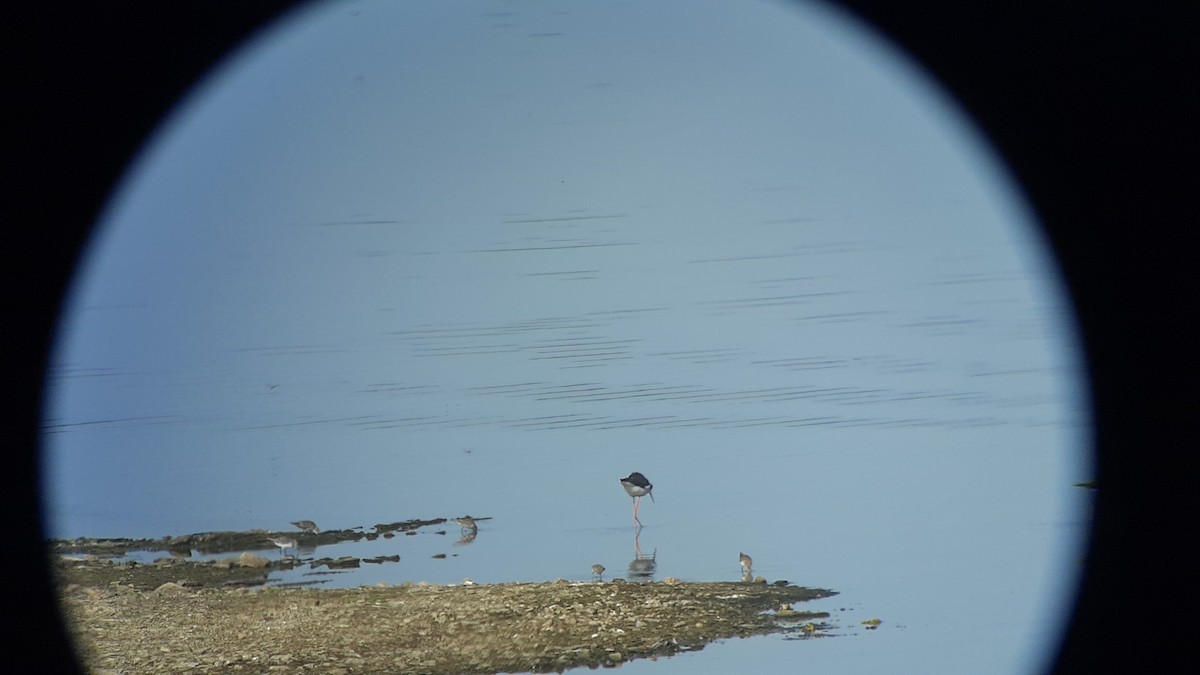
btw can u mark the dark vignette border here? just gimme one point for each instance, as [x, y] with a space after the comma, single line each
[1093, 105]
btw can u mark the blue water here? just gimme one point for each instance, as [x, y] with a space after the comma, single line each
[837, 346]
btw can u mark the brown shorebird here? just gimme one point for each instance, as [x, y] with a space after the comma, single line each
[637, 486]
[283, 543]
[307, 526]
[746, 563]
[598, 570]
[467, 523]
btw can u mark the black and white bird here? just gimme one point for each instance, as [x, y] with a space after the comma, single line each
[637, 486]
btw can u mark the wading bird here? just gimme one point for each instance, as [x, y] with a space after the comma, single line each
[637, 486]
[283, 543]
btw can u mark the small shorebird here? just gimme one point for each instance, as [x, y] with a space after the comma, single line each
[283, 543]
[307, 526]
[637, 486]
[467, 523]
[746, 563]
[598, 570]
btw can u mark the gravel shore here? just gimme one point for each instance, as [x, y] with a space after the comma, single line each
[551, 626]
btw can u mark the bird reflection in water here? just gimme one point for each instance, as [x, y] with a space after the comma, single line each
[642, 566]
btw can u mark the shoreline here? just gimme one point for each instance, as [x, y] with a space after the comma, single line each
[177, 614]
[510, 627]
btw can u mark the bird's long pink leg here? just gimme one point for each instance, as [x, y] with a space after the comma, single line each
[636, 502]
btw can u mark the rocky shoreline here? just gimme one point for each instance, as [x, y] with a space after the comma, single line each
[178, 615]
[226, 541]
[120, 626]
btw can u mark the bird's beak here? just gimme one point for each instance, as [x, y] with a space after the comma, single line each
[652, 496]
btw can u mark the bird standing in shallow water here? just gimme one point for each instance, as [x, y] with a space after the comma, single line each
[637, 486]
[746, 563]
[598, 570]
[283, 543]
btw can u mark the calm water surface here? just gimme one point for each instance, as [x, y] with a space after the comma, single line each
[867, 381]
